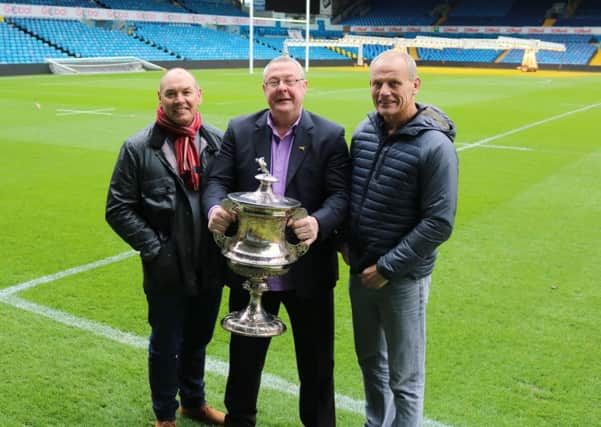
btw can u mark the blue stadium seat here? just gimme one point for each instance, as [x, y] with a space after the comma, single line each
[87, 41]
[212, 7]
[18, 47]
[196, 42]
[384, 12]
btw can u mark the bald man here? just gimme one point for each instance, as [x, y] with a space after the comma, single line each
[154, 205]
[403, 202]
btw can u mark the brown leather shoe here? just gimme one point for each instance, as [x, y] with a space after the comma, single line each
[164, 424]
[205, 414]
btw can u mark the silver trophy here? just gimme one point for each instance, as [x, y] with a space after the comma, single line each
[259, 250]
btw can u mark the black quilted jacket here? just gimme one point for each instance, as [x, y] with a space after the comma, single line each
[403, 194]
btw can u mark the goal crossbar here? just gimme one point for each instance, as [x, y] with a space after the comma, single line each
[115, 64]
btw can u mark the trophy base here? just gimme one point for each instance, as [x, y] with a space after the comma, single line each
[259, 324]
[254, 321]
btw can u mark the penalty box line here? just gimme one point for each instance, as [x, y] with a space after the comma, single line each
[528, 126]
[214, 365]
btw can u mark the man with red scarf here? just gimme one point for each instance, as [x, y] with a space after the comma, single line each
[154, 204]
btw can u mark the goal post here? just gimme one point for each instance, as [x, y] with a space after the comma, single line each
[251, 38]
[117, 64]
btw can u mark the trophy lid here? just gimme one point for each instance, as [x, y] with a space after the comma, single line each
[264, 195]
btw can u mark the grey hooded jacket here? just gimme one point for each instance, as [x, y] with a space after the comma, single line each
[403, 194]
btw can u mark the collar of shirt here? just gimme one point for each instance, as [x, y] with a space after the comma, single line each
[289, 132]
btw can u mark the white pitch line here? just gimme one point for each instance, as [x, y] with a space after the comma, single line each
[69, 272]
[506, 147]
[213, 365]
[76, 322]
[95, 110]
[528, 126]
[99, 111]
[499, 147]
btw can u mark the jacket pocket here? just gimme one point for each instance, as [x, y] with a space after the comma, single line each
[163, 272]
[158, 203]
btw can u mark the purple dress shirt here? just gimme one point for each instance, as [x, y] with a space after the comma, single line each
[280, 155]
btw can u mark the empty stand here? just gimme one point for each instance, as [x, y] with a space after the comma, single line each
[214, 7]
[154, 5]
[32, 40]
[87, 41]
[19, 47]
[196, 42]
[386, 12]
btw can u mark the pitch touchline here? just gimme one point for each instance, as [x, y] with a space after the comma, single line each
[69, 272]
[531, 125]
[214, 365]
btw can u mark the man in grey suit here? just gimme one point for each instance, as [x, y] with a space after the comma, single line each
[309, 156]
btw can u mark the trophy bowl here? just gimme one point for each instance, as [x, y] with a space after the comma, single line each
[259, 250]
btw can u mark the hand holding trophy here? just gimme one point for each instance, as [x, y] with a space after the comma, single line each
[259, 250]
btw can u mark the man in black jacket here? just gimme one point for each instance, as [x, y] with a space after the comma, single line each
[309, 156]
[403, 201]
[154, 205]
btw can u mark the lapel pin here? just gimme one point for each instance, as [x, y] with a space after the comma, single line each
[301, 147]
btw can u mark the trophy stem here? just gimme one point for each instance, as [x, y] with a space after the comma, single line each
[254, 321]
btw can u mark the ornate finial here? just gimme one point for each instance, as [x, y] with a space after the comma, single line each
[262, 165]
[265, 178]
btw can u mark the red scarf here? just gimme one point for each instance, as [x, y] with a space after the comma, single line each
[185, 149]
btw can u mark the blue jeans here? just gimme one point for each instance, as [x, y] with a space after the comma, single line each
[390, 341]
[182, 326]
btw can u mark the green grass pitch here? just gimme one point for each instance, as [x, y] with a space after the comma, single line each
[515, 306]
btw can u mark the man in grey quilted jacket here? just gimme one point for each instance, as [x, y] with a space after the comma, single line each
[403, 203]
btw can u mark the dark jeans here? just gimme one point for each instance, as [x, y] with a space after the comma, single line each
[312, 324]
[182, 326]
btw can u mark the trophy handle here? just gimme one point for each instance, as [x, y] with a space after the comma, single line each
[299, 249]
[221, 239]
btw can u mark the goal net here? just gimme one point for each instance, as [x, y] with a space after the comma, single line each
[119, 64]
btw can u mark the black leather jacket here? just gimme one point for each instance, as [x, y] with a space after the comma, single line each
[147, 205]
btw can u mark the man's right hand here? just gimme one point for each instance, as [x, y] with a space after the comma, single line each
[371, 279]
[220, 219]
